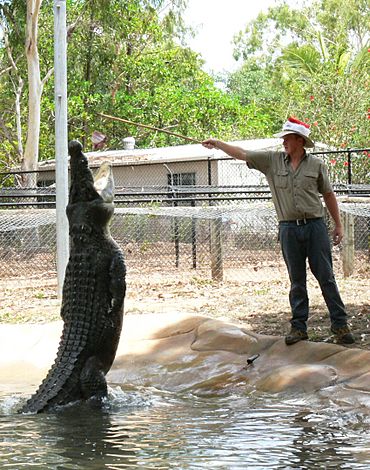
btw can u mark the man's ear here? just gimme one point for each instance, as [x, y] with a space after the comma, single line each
[104, 183]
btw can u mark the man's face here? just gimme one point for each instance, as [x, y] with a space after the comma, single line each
[293, 143]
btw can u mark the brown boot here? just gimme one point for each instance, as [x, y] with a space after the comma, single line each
[294, 336]
[343, 335]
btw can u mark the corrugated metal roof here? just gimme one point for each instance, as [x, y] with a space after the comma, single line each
[176, 153]
[189, 152]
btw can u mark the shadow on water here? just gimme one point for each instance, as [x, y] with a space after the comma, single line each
[145, 428]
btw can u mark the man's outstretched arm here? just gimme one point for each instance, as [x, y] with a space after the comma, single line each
[231, 150]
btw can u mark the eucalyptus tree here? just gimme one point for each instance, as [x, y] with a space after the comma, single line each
[19, 22]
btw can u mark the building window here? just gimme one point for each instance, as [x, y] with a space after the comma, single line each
[181, 179]
[45, 183]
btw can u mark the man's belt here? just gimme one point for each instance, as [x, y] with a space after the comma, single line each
[300, 221]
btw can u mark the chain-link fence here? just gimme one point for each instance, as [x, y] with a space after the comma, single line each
[175, 213]
[173, 169]
[208, 240]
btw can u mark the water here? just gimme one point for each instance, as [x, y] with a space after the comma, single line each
[150, 429]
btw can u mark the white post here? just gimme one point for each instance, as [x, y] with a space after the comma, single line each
[61, 138]
[348, 252]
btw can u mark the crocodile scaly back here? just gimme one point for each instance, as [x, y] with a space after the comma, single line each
[93, 293]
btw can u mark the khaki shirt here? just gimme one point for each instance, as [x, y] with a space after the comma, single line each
[295, 194]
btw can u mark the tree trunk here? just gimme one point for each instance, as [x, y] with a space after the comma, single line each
[18, 94]
[35, 86]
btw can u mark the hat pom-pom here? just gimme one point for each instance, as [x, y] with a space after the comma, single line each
[297, 121]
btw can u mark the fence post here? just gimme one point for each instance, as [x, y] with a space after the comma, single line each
[176, 237]
[193, 238]
[217, 269]
[348, 252]
[209, 171]
[349, 167]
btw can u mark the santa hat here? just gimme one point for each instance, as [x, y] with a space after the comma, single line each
[295, 126]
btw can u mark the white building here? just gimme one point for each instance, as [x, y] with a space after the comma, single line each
[180, 165]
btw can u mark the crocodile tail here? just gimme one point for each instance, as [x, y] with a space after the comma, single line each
[61, 382]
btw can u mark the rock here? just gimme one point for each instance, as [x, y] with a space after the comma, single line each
[179, 352]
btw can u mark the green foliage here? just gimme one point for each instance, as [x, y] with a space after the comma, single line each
[135, 70]
[124, 59]
[254, 87]
[312, 63]
[127, 59]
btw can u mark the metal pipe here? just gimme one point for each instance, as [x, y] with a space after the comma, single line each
[61, 139]
[349, 167]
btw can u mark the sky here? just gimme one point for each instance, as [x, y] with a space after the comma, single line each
[216, 23]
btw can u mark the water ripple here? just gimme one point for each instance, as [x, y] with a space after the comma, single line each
[147, 428]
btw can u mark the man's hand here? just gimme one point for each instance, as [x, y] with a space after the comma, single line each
[332, 205]
[210, 143]
[231, 150]
[337, 234]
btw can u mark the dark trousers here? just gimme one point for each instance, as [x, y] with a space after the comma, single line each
[310, 241]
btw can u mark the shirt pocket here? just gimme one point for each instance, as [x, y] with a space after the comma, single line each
[309, 180]
[281, 179]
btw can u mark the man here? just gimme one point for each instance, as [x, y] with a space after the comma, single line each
[296, 180]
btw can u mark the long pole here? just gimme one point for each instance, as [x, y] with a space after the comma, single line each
[61, 138]
[145, 126]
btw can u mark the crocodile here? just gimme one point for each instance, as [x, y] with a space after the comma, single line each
[93, 293]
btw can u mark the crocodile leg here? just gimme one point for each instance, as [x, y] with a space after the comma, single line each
[92, 379]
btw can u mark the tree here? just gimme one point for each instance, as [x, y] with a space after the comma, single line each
[14, 14]
[35, 86]
[317, 61]
[29, 157]
[128, 48]
[11, 87]
[124, 58]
